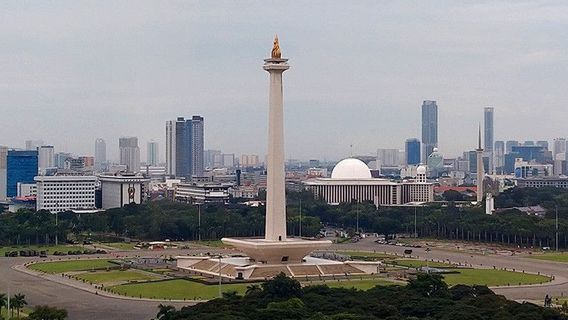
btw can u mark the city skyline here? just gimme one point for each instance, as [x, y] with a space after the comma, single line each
[164, 60]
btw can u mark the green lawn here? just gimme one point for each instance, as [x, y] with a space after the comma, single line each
[420, 263]
[492, 277]
[552, 256]
[365, 254]
[71, 265]
[23, 313]
[49, 249]
[178, 289]
[116, 276]
[211, 243]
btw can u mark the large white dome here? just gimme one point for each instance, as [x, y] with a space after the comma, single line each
[351, 168]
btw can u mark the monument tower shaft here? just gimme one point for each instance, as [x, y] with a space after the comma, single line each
[275, 228]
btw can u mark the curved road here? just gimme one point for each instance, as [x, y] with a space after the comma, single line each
[84, 305]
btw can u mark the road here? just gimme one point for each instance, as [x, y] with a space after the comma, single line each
[84, 305]
[80, 304]
[519, 263]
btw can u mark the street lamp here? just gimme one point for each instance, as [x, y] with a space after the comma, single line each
[220, 278]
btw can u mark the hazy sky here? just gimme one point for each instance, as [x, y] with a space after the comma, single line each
[72, 71]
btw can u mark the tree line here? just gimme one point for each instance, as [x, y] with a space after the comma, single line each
[425, 297]
[305, 215]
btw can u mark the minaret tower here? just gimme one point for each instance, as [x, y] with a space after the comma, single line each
[275, 186]
[480, 169]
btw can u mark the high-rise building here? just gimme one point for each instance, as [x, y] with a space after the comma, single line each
[33, 144]
[509, 145]
[21, 166]
[210, 156]
[3, 172]
[60, 158]
[171, 148]
[559, 149]
[499, 156]
[387, 157]
[100, 155]
[197, 144]
[152, 154]
[46, 159]
[184, 147]
[129, 153]
[542, 143]
[429, 128]
[488, 136]
[412, 150]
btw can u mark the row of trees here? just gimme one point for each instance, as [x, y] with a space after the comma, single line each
[174, 220]
[18, 302]
[426, 297]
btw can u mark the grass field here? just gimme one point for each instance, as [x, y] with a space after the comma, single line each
[492, 277]
[553, 256]
[23, 313]
[71, 265]
[49, 249]
[420, 263]
[211, 243]
[178, 289]
[376, 255]
[116, 276]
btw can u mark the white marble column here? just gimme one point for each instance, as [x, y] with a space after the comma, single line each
[275, 186]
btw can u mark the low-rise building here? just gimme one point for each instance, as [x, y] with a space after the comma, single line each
[202, 192]
[556, 182]
[63, 193]
[122, 189]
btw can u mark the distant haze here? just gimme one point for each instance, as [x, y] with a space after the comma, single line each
[72, 71]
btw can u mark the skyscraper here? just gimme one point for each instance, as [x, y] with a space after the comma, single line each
[152, 154]
[197, 130]
[184, 147]
[21, 167]
[100, 155]
[171, 148]
[488, 135]
[480, 173]
[3, 172]
[46, 159]
[509, 145]
[429, 128]
[33, 144]
[559, 149]
[412, 151]
[499, 156]
[129, 153]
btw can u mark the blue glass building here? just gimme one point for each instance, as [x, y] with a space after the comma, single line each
[21, 167]
[412, 149]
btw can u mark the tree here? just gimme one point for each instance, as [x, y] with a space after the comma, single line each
[165, 312]
[18, 302]
[253, 290]
[3, 301]
[282, 287]
[48, 313]
[429, 285]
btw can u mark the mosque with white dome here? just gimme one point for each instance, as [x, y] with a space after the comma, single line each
[351, 180]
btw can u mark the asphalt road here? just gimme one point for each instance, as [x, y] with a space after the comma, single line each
[84, 305]
[80, 304]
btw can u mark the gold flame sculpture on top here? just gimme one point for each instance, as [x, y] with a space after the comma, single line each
[276, 54]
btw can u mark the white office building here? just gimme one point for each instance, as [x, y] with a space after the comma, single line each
[122, 189]
[63, 193]
[129, 153]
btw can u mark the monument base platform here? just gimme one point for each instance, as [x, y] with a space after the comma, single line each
[243, 268]
[290, 250]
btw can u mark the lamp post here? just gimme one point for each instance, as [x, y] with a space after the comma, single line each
[556, 242]
[199, 221]
[300, 216]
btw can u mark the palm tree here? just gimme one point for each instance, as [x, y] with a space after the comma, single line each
[3, 301]
[253, 289]
[165, 312]
[18, 302]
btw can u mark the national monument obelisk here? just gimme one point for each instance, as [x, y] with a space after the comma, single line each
[275, 228]
[276, 247]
